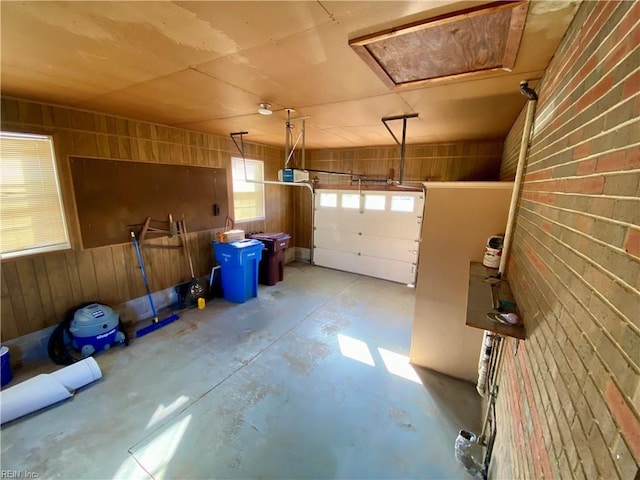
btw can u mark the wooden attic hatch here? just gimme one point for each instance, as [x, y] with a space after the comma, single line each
[458, 45]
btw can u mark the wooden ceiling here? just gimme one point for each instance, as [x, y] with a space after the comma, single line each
[207, 66]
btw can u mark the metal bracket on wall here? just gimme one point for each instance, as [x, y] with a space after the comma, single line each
[241, 146]
[289, 147]
[402, 143]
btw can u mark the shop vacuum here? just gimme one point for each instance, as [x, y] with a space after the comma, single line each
[87, 328]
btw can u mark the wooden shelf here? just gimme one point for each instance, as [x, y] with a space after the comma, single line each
[481, 301]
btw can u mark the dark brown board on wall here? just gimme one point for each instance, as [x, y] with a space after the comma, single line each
[110, 195]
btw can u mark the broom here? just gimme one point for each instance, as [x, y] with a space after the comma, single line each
[155, 323]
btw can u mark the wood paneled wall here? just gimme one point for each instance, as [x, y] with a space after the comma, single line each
[469, 161]
[38, 289]
[464, 161]
[511, 151]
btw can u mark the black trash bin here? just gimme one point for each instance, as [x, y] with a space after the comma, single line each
[271, 269]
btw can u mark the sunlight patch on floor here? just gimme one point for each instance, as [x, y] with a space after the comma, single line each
[156, 456]
[399, 365]
[163, 412]
[355, 349]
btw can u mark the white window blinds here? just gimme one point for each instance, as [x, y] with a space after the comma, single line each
[31, 213]
[248, 197]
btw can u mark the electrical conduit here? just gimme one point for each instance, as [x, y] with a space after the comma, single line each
[488, 340]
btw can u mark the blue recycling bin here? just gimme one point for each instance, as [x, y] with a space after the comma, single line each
[239, 267]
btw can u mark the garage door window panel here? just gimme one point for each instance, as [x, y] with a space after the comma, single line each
[350, 200]
[375, 202]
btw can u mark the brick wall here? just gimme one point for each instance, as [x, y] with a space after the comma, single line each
[569, 404]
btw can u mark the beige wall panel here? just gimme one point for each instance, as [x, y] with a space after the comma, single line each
[457, 223]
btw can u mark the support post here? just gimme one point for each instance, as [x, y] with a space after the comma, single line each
[402, 143]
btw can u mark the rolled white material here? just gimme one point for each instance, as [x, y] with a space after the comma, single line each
[46, 389]
[79, 374]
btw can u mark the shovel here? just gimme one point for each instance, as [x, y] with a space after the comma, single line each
[195, 290]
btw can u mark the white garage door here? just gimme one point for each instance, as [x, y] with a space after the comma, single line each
[373, 233]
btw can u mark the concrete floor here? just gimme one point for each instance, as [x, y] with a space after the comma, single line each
[309, 380]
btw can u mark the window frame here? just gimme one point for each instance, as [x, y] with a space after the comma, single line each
[243, 162]
[66, 242]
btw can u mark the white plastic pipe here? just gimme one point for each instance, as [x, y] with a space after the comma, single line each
[524, 147]
[484, 362]
[46, 389]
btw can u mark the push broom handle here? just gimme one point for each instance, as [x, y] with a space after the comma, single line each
[188, 249]
[144, 275]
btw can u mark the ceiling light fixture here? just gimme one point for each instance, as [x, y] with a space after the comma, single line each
[265, 109]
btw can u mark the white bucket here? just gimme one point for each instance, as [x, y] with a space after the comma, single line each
[492, 257]
[493, 252]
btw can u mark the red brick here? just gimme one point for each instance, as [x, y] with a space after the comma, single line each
[587, 166]
[583, 223]
[598, 18]
[631, 85]
[576, 137]
[611, 162]
[536, 261]
[627, 23]
[597, 91]
[581, 151]
[603, 86]
[632, 156]
[625, 418]
[632, 243]
[585, 185]
[542, 457]
[626, 46]
[586, 69]
[539, 175]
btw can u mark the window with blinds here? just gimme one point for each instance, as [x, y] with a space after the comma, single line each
[31, 214]
[248, 197]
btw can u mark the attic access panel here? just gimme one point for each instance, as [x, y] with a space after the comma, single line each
[457, 45]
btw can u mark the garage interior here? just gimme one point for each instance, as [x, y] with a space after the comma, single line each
[414, 131]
